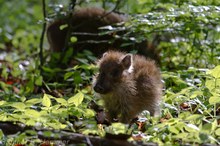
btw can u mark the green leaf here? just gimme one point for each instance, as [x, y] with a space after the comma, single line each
[3, 117]
[212, 84]
[217, 132]
[203, 136]
[56, 125]
[34, 101]
[117, 128]
[215, 72]
[194, 117]
[77, 77]
[46, 100]
[196, 94]
[62, 101]
[191, 128]
[76, 99]
[19, 105]
[4, 72]
[63, 26]
[88, 113]
[60, 111]
[90, 131]
[174, 130]
[73, 39]
[209, 128]
[31, 122]
[68, 54]
[214, 99]
[5, 86]
[206, 128]
[76, 111]
[2, 102]
[39, 81]
[68, 75]
[32, 113]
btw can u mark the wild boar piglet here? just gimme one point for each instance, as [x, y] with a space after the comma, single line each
[128, 84]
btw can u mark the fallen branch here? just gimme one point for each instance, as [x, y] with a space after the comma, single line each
[68, 138]
[75, 138]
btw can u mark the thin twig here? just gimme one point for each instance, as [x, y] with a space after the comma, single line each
[88, 141]
[116, 6]
[91, 42]
[42, 35]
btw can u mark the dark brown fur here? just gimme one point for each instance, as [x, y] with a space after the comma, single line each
[87, 21]
[128, 85]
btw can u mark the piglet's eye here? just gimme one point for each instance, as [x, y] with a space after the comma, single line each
[115, 73]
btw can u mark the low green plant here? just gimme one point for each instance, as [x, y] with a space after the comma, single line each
[53, 100]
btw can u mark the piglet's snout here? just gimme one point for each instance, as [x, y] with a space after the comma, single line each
[99, 89]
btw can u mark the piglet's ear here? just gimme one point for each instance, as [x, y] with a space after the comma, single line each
[127, 61]
[105, 54]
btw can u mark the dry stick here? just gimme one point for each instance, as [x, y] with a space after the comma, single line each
[42, 35]
[68, 137]
[75, 138]
[9, 128]
[116, 6]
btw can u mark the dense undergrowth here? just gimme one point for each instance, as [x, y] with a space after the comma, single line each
[59, 99]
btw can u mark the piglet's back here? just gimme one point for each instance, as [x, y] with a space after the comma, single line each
[146, 68]
[149, 84]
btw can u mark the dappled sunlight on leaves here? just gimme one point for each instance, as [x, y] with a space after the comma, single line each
[57, 99]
